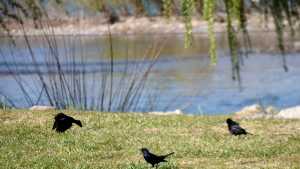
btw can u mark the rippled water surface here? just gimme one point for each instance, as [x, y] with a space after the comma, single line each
[180, 79]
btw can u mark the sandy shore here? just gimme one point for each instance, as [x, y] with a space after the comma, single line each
[133, 25]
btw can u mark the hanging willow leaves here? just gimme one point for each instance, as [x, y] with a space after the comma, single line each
[167, 8]
[288, 12]
[232, 39]
[209, 7]
[235, 8]
[243, 26]
[187, 8]
[276, 10]
[36, 11]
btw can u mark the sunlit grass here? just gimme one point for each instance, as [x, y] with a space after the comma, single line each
[113, 140]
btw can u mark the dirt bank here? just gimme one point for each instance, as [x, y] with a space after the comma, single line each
[132, 25]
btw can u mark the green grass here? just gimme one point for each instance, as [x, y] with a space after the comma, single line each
[113, 140]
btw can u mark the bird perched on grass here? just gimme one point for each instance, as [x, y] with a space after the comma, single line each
[63, 122]
[153, 159]
[234, 128]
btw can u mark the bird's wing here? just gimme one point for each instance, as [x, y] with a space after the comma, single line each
[237, 129]
[62, 119]
[155, 158]
[152, 155]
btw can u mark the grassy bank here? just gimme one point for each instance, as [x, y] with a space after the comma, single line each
[113, 141]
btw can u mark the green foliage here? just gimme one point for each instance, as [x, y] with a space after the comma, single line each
[96, 5]
[277, 8]
[232, 39]
[35, 10]
[167, 8]
[243, 26]
[234, 8]
[4, 106]
[209, 7]
[59, 1]
[187, 9]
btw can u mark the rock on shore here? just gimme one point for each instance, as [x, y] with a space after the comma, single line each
[176, 112]
[256, 111]
[42, 108]
[289, 113]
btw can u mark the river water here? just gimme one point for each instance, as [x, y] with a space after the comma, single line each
[180, 78]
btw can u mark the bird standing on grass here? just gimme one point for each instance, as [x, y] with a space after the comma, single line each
[153, 159]
[63, 122]
[234, 128]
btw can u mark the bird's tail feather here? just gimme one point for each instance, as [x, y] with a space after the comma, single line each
[249, 133]
[168, 154]
[78, 122]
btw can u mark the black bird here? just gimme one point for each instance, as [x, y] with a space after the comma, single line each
[234, 128]
[153, 159]
[63, 122]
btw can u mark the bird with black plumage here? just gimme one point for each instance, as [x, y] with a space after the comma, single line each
[63, 122]
[235, 128]
[153, 159]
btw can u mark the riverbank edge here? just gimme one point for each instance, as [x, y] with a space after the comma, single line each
[132, 26]
[255, 111]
